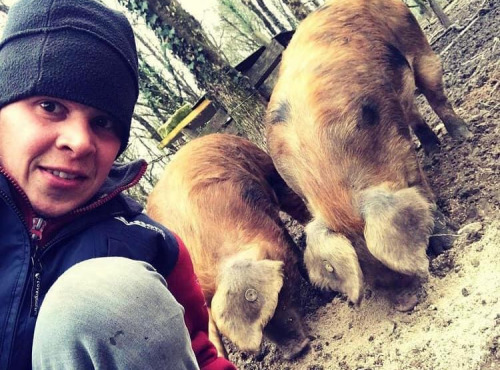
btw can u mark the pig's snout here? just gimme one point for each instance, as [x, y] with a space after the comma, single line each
[286, 329]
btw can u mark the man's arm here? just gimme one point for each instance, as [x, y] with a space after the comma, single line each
[183, 284]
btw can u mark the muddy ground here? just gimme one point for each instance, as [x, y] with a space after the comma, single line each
[456, 324]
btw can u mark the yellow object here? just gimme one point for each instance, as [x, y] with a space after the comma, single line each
[174, 120]
[177, 130]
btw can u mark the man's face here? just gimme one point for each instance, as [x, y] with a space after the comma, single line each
[59, 152]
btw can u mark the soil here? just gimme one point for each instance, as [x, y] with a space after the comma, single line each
[456, 323]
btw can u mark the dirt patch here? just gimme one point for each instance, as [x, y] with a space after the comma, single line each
[456, 325]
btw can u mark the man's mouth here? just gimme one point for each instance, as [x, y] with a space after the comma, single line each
[63, 175]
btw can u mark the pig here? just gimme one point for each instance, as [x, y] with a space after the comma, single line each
[337, 129]
[222, 195]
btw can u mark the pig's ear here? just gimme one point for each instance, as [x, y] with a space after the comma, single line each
[397, 228]
[331, 261]
[245, 300]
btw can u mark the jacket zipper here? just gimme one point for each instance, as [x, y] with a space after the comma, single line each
[36, 233]
[37, 252]
[36, 264]
[37, 230]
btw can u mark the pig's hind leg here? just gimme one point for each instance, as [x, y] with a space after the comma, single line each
[429, 140]
[427, 137]
[429, 80]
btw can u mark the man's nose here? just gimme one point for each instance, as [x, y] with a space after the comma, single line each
[76, 135]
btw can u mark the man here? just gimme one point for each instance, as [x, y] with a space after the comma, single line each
[84, 273]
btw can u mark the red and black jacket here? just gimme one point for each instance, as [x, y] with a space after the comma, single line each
[110, 225]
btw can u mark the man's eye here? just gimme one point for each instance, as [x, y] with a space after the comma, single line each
[51, 106]
[104, 122]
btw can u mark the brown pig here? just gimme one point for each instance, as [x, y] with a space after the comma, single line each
[338, 132]
[222, 195]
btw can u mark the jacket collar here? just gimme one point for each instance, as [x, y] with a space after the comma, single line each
[120, 178]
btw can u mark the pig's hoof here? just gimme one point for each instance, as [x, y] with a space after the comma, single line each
[296, 350]
[442, 237]
[438, 243]
[460, 131]
[431, 148]
[429, 140]
[406, 302]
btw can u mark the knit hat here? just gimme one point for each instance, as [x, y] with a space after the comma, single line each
[77, 50]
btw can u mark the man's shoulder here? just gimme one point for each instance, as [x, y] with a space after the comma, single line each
[137, 237]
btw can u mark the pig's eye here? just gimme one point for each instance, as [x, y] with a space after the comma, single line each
[328, 267]
[251, 295]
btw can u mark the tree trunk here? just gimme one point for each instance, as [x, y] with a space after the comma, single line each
[249, 41]
[260, 15]
[180, 85]
[239, 19]
[267, 12]
[292, 21]
[297, 8]
[150, 129]
[3, 8]
[224, 85]
[440, 14]
[158, 93]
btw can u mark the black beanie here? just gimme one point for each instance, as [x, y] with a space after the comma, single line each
[77, 50]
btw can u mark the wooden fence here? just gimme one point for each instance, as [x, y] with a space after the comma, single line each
[261, 67]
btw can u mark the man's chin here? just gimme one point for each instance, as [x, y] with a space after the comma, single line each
[53, 209]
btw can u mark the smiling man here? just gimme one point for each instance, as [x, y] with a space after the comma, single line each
[61, 155]
[84, 272]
